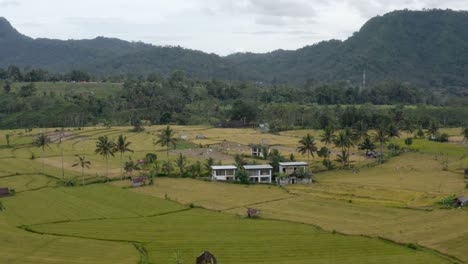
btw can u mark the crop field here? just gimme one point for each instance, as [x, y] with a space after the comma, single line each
[339, 219]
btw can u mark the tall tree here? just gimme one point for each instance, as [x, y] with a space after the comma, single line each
[393, 132]
[344, 140]
[83, 163]
[106, 149]
[181, 163]
[42, 141]
[380, 135]
[307, 145]
[208, 163]
[122, 146]
[328, 136]
[166, 138]
[465, 134]
[432, 130]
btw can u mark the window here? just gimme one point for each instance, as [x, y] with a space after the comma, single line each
[265, 172]
[265, 179]
[252, 172]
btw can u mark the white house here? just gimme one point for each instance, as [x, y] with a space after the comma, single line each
[223, 173]
[259, 173]
[293, 173]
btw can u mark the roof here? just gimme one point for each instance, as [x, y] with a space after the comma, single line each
[462, 199]
[257, 167]
[4, 192]
[300, 163]
[225, 167]
[139, 179]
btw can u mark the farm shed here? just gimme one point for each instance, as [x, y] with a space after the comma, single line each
[139, 181]
[461, 201]
[259, 173]
[223, 173]
[4, 192]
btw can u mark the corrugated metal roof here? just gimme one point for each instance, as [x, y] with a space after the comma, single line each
[224, 167]
[257, 167]
[299, 163]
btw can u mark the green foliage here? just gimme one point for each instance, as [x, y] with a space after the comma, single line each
[446, 202]
[242, 177]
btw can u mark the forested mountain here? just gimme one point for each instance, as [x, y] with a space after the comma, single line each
[423, 47]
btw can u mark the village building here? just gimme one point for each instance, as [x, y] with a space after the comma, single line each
[293, 173]
[139, 181]
[259, 150]
[223, 173]
[259, 173]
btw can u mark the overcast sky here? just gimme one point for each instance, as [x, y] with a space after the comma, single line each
[218, 26]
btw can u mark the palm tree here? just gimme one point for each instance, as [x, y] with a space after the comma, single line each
[324, 153]
[181, 163]
[380, 136]
[239, 160]
[83, 163]
[105, 148]
[344, 140]
[367, 145]
[42, 141]
[208, 163]
[307, 145]
[328, 136]
[392, 132]
[166, 139]
[465, 134]
[122, 146]
[130, 166]
[432, 130]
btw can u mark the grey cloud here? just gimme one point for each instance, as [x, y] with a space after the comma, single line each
[9, 3]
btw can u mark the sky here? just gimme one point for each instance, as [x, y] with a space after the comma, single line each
[215, 26]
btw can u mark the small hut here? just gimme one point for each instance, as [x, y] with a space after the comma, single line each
[461, 201]
[139, 181]
[4, 192]
[251, 212]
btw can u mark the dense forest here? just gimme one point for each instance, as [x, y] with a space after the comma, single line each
[427, 48]
[179, 99]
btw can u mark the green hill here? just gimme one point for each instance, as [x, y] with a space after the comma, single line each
[425, 47]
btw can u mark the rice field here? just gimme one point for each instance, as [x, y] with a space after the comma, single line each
[104, 223]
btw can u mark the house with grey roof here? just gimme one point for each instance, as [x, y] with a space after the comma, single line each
[259, 173]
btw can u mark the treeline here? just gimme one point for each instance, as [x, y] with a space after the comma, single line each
[14, 74]
[181, 100]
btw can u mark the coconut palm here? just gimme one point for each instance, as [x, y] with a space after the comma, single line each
[380, 135]
[83, 163]
[344, 140]
[106, 149]
[166, 138]
[328, 136]
[465, 134]
[432, 130]
[42, 141]
[392, 132]
[307, 145]
[181, 163]
[130, 166]
[122, 146]
[208, 163]
[367, 145]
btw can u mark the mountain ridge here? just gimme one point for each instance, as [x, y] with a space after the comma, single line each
[426, 47]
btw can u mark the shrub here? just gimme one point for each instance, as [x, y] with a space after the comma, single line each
[409, 141]
[412, 246]
[446, 202]
[33, 156]
[1, 206]
[444, 137]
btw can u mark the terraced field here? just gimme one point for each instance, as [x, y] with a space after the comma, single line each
[109, 223]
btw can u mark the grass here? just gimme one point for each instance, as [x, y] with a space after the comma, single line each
[26, 182]
[237, 240]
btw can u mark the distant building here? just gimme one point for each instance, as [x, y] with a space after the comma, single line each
[293, 173]
[223, 173]
[259, 173]
[259, 150]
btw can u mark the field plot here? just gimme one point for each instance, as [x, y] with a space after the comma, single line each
[214, 196]
[90, 202]
[236, 240]
[21, 247]
[26, 182]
